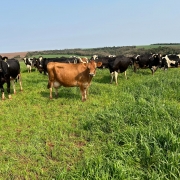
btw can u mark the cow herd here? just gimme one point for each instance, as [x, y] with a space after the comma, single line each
[79, 71]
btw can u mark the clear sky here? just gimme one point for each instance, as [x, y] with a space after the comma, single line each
[63, 24]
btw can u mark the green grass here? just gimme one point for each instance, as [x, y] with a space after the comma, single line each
[157, 46]
[129, 131]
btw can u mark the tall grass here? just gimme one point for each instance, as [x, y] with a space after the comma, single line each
[128, 131]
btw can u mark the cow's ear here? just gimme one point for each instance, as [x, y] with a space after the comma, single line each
[99, 64]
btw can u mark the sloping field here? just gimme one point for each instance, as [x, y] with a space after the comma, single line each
[129, 131]
[11, 55]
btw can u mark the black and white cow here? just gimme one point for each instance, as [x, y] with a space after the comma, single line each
[118, 65]
[103, 59]
[42, 62]
[151, 61]
[30, 63]
[171, 60]
[9, 72]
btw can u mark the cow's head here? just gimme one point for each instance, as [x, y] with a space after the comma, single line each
[92, 65]
[94, 57]
[39, 64]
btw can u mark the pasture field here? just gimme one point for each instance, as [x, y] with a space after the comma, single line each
[157, 46]
[124, 132]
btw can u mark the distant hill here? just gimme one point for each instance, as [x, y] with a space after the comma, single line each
[163, 48]
[171, 48]
[18, 55]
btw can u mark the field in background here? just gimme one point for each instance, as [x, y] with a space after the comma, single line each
[166, 48]
[129, 131]
[157, 46]
[20, 55]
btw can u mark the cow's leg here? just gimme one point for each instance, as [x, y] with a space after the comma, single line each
[112, 76]
[49, 86]
[153, 69]
[83, 93]
[20, 82]
[2, 92]
[56, 92]
[135, 68]
[50, 90]
[8, 89]
[13, 85]
[125, 74]
[116, 76]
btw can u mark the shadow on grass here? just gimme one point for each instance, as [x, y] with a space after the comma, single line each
[143, 71]
[32, 71]
[104, 80]
[69, 93]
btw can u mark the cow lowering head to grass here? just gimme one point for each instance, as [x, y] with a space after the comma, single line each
[170, 61]
[145, 61]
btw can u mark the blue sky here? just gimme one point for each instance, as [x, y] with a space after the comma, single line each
[59, 24]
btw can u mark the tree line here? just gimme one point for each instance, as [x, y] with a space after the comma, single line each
[165, 48]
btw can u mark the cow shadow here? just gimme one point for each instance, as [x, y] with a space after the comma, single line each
[104, 79]
[107, 78]
[143, 72]
[69, 93]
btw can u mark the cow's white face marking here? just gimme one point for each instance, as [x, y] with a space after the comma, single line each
[178, 55]
[40, 58]
[137, 56]
[56, 84]
[95, 57]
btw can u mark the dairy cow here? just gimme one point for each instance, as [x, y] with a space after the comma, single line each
[42, 62]
[71, 75]
[171, 60]
[9, 72]
[30, 63]
[118, 65]
[103, 59]
[151, 61]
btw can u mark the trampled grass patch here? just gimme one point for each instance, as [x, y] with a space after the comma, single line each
[125, 131]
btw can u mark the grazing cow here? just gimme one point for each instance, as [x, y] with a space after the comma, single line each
[119, 64]
[9, 72]
[151, 61]
[42, 67]
[170, 60]
[30, 63]
[71, 75]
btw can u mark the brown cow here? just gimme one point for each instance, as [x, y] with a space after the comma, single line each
[71, 75]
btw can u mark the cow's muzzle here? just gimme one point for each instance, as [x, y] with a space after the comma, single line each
[91, 74]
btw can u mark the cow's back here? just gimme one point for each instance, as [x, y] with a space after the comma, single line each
[67, 74]
[121, 63]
